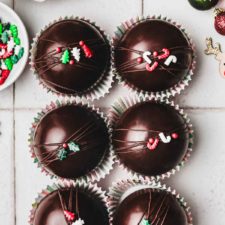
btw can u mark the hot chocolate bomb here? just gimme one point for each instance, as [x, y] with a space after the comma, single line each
[149, 206]
[152, 55]
[72, 56]
[75, 128]
[150, 138]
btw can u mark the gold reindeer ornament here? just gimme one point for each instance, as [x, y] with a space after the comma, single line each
[219, 55]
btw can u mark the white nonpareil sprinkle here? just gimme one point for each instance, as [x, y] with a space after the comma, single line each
[78, 222]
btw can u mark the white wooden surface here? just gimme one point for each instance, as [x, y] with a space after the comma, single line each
[201, 181]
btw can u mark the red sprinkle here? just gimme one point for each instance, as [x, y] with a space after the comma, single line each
[155, 54]
[65, 145]
[71, 62]
[140, 60]
[151, 140]
[58, 50]
[174, 135]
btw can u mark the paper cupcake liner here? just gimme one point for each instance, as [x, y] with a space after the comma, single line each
[123, 188]
[87, 187]
[121, 105]
[170, 92]
[97, 90]
[104, 166]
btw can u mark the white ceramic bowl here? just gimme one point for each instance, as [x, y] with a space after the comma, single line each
[8, 15]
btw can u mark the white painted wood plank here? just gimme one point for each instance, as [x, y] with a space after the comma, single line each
[202, 91]
[29, 179]
[107, 14]
[202, 180]
[6, 168]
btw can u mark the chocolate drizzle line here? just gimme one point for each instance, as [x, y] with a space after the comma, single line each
[70, 204]
[156, 215]
[134, 144]
[124, 67]
[77, 137]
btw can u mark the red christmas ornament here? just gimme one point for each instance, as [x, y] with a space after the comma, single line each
[69, 215]
[219, 22]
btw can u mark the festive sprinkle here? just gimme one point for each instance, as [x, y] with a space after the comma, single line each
[10, 50]
[76, 53]
[9, 63]
[145, 222]
[87, 51]
[62, 154]
[1, 28]
[69, 215]
[73, 146]
[78, 222]
[164, 139]
[17, 41]
[65, 57]
[14, 31]
[170, 59]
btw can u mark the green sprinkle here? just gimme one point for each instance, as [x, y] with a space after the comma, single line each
[14, 31]
[36, 160]
[14, 59]
[145, 222]
[1, 28]
[17, 41]
[21, 53]
[9, 63]
[73, 146]
[5, 37]
[65, 57]
[62, 154]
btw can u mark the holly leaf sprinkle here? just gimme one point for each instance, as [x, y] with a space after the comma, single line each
[73, 146]
[145, 222]
[62, 154]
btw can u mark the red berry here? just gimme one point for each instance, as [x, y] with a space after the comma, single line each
[81, 43]
[58, 50]
[219, 22]
[174, 135]
[71, 62]
[65, 145]
[140, 60]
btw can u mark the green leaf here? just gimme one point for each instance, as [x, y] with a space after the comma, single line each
[73, 146]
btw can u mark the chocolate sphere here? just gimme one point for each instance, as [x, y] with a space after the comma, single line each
[72, 56]
[62, 125]
[50, 210]
[152, 56]
[150, 138]
[161, 206]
